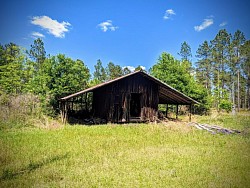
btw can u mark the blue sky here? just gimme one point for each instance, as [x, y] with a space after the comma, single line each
[128, 33]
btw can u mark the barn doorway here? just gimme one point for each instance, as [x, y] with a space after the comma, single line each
[135, 105]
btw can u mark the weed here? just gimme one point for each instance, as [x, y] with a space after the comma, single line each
[130, 155]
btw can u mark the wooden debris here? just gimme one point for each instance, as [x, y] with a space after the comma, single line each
[214, 128]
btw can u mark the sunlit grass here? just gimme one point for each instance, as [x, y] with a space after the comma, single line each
[145, 155]
[238, 121]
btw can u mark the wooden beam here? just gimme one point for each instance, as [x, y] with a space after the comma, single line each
[166, 110]
[177, 110]
[190, 112]
[61, 109]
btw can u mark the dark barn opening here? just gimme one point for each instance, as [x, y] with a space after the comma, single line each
[130, 98]
[135, 105]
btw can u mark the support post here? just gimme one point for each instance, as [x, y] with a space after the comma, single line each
[63, 110]
[81, 101]
[86, 103]
[177, 110]
[66, 112]
[61, 107]
[166, 110]
[190, 112]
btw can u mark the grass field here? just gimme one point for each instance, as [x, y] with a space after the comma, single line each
[144, 155]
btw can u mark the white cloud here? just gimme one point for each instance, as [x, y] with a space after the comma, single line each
[168, 14]
[37, 35]
[142, 67]
[107, 25]
[206, 23]
[132, 69]
[52, 26]
[223, 24]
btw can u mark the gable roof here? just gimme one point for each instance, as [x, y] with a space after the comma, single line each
[167, 94]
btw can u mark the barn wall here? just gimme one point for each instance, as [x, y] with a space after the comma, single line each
[112, 102]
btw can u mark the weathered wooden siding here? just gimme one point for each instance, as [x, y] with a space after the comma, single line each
[112, 102]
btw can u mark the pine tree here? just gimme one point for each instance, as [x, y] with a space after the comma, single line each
[238, 39]
[37, 53]
[11, 68]
[185, 52]
[245, 54]
[204, 65]
[174, 73]
[220, 51]
[113, 71]
[126, 71]
[99, 73]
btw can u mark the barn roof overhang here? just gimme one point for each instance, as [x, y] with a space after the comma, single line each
[167, 94]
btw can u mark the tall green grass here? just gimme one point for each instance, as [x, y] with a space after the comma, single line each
[239, 121]
[145, 155]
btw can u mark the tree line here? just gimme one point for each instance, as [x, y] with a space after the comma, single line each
[223, 67]
[48, 77]
[220, 78]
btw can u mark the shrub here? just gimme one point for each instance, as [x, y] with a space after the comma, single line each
[225, 105]
[16, 110]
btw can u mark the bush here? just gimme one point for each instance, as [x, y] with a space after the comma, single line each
[16, 110]
[225, 105]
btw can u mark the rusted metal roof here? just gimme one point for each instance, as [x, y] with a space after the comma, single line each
[167, 94]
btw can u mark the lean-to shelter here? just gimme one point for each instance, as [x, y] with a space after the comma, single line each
[133, 97]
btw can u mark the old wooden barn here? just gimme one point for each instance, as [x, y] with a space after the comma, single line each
[133, 97]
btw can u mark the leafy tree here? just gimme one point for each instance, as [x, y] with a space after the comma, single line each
[220, 51]
[185, 52]
[113, 71]
[238, 39]
[173, 72]
[245, 54]
[139, 67]
[36, 74]
[126, 71]
[100, 73]
[204, 66]
[11, 66]
[66, 76]
[37, 53]
[225, 103]
[166, 70]
[58, 77]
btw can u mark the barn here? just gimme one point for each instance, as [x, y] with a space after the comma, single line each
[129, 98]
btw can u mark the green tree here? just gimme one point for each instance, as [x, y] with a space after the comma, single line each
[68, 76]
[185, 52]
[126, 71]
[99, 73]
[238, 40]
[11, 67]
[113, 71]
[220, 52]
[37, 53]
[139, 67]
[166, 69]
[204, 66]
[174, 73]
[245, 54]
[59, 76]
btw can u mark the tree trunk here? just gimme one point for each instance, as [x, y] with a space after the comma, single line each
[233, 98]
[248, 95]
[218, 87]
[238, 91]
